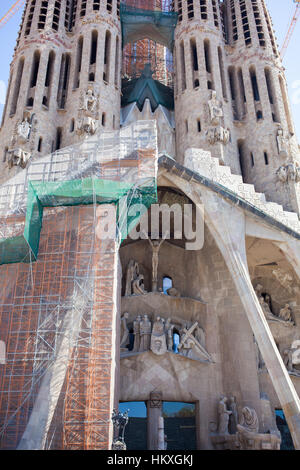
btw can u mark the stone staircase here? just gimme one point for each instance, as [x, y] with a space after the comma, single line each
[201, 162]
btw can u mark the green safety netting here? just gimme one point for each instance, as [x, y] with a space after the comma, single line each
[156, 25]
[73, 193]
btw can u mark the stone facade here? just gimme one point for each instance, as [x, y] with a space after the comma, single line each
[93, 320]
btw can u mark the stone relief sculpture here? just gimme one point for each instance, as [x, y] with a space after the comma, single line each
[158, 336]
[90, 101]
[224, 415]
[134, 280]
[215, 108]
[286, 314]
[282, 143]
[233, 418]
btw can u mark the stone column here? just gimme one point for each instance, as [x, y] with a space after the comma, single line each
[154, 413]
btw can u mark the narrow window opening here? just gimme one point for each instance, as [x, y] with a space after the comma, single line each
[63, 81]
[198, 125]
[78, 63]
[103, 119]
[5, 154]
[207, 56]
[254, 84]
[117, 61]
[40, 144]
[58, 138]
[182, 61]
[222, 74]
[107, 57]
[94, 47]
[72, 125]
[266, 158]
[33, 78]
[17, 87]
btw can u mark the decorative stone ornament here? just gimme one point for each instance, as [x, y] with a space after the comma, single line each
[289, 172]
[18, 157]
[218, 134]
[158, 338]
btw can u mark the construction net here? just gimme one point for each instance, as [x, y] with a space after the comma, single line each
[58, 311]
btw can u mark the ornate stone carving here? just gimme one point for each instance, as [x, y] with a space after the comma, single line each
[224, 415]
[215, 109]
[137, 333]
[24, 129]
[233, 418]
[134, 280]
[218, 134]
[87, 125]
[155, 400]
[158, 337]
[289, 172]
[18, 157]
[282, 143]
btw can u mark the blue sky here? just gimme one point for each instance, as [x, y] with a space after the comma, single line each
[281, 12]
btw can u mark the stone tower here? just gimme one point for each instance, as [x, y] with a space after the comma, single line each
[231, 97]
[65, 78]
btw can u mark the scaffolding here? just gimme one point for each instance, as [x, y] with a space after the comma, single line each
[137, 54]
[58, 311]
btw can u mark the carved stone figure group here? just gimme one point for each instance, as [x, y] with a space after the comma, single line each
[291, 358]
[18, 157]
[162, 335]
[218, 134]
[289, 172]
[285, 315]
[244, 429]
[87, 122]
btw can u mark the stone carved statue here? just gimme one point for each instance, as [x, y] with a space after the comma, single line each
[286, 314]
[189, 345]
[282, 143]
[124, 337]
[90, 101]
[145, 333]
[289, 172]
[233, 419]
[215, 108]
[169, 328]
[155, 245]
[18, 157]
[249, 420]
[137, 333]
[24, 129]
[87, 125]
[134, 280]
[158, 337]
[218, 134]
[224, 415]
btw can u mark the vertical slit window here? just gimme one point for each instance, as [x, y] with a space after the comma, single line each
[235, 34]
[30, 17]
[43, 15]
[182, 61]
[258, 23]
[5, 154]
[271, 94]
[207, 56]
[48, 79]
[40, 144]
[266, 158]
[245, 22]
[63, 81]
[190, 9]
[203, 9]
[78, 63]
[107, 56]
[198, 125]
[254, 84]
[58, 138]
[109, 6]
[179, 11]
[117, 61]
[83, 8]
[215, 13]
[33, 78]
[56, 15]
[96, 5]
[94, 47]
[222, 74]
[17, 87]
